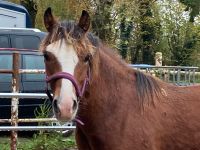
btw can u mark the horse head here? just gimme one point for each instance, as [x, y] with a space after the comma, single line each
[67, 53]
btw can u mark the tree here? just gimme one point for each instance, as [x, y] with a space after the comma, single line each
[193, 6]
[102, 21]
[148, 28]
[179, 35]
[31, 6]
[137, 28]
[125, 28]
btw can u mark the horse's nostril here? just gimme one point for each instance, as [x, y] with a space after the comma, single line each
[75, 104]
[55, 106]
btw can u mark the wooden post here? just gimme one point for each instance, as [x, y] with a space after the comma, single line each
[158, 59]
[15, 101]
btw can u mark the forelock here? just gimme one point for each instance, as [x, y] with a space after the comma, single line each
[70, 32]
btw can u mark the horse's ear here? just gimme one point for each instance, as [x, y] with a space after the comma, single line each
[49, 20]
[84, 21]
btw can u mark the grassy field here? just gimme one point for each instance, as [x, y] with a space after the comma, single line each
[45, 141]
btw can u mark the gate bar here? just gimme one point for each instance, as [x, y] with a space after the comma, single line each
[36, 128]
[23, 95]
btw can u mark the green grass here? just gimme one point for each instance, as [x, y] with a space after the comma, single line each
[4, 143]
[45, 141]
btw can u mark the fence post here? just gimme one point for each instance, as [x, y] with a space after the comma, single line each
[158, 59]
[178, 75]
[15, 101]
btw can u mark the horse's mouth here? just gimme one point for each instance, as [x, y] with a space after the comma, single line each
[63, 117]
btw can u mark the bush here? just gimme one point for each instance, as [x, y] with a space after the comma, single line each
[47, 141]
[44, 141]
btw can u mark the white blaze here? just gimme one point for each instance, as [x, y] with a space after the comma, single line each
[68, 59]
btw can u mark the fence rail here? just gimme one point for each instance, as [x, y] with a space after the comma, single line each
[30, 120]
[23, 95]
[180, 75]
[36, 128]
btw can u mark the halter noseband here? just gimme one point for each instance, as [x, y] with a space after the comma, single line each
[68, 76]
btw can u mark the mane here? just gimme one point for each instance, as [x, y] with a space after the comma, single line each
[147, 87]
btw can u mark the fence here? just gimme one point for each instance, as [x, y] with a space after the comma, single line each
[15, 95]
[180, 75]
[29, 128]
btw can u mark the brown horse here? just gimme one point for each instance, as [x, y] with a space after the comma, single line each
[121, 108]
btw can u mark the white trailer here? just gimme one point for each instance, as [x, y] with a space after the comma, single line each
[10, 18]
[13, 16]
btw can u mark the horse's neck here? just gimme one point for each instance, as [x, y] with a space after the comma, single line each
[112, 66]
[112, 79]
[112, 70]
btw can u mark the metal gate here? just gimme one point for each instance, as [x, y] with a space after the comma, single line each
[15, 95]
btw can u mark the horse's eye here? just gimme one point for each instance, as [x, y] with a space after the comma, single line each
[46, 56]
[88, 58]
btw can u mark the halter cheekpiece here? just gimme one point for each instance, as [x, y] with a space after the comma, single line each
[64, 75]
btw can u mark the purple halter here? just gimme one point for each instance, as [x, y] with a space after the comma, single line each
[79, 91]
[68, 76]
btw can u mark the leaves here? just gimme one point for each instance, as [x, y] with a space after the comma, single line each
[137, 28]
[193, 6]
